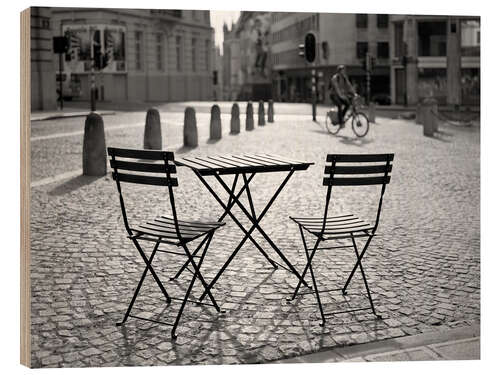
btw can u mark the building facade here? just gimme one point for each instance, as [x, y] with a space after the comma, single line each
[133, 55]
[340, 39]
[436, 56]
[43, 73]
[247, 62]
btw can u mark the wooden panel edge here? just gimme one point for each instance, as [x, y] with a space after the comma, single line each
[25, 157]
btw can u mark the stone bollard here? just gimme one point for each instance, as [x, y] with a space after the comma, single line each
[371, 112]
[215, 123]
[270, 111]
[152, 131]
[235, 119]
[94, 146]
[190, 129]
[429, 120]
[261, 115]
[249, 119]
[418, 113]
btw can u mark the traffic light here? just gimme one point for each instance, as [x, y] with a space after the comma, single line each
[60, 44]
[215, 77]
[301, 50]
[310, 47]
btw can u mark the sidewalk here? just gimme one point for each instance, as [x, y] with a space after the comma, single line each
[453, 344]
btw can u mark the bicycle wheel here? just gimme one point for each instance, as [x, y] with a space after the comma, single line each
[330, 125]
[360, 124]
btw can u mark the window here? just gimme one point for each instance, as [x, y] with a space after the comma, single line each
[383, 50]
[159, 51]
[399, 45]
[193, 54]
[432, 38]
[178, 50]
[361, 49]
[138, 50]
[470, 37]
[361, 21]
[207, 55]
[382, 21]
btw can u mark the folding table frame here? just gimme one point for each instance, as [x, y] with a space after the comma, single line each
[247, 166]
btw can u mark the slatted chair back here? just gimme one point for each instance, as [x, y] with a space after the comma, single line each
[357, 170]
[145, 167]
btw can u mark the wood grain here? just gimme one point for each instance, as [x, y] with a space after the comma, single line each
[25, 341]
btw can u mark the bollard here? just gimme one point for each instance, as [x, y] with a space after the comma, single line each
[249, 119]
[94, 146]
[428, 117]
[190, 129]
[434, 114]
[371, 112]
[418, 113]
[235, 119]
[270, 111]
[152, 131]
[261, 115]
[215, 123]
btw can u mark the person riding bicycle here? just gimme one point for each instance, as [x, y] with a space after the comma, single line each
[341, 91]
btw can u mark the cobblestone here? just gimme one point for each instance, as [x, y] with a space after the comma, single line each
[424, 267]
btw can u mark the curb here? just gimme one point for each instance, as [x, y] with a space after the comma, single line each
[54, 116]
[424, 346]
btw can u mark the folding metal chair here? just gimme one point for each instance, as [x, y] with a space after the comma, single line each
[361, 169]
[163, 229]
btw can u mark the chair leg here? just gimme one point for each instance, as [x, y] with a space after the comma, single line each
[197, 271]
[309, 260]
[155, 276]
[358, 262]
[186, 263]
[188, 292]
[139, 285]
[315, 286]
[364, 276]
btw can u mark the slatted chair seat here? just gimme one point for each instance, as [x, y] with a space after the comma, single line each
[157, 168]
[164, 227]
[361, 170]
[340, 226]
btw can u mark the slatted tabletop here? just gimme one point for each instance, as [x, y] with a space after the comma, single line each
[244, 163]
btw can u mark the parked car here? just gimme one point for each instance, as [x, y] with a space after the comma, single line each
[382, 99]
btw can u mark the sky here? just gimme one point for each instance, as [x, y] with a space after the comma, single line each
[217, 19]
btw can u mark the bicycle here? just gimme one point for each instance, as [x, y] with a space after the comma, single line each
[360, 123]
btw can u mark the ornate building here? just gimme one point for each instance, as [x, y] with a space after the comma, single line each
[137, 55]
[247, 65]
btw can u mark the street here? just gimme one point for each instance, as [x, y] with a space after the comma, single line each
[423, 268]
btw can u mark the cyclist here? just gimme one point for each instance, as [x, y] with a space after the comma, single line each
[341, 91]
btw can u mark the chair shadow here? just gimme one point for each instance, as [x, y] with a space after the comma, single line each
[74, 184]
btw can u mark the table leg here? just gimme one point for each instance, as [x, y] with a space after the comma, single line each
[228, 212]
[255, 224]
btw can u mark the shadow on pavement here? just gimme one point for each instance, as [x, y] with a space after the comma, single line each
[360, 142]
[74, 184]
[184, 150]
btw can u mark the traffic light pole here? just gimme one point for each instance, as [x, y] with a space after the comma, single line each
[61, 98]
[92, 80]
[314, 91]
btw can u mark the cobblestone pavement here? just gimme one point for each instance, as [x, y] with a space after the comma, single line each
[423, 268]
